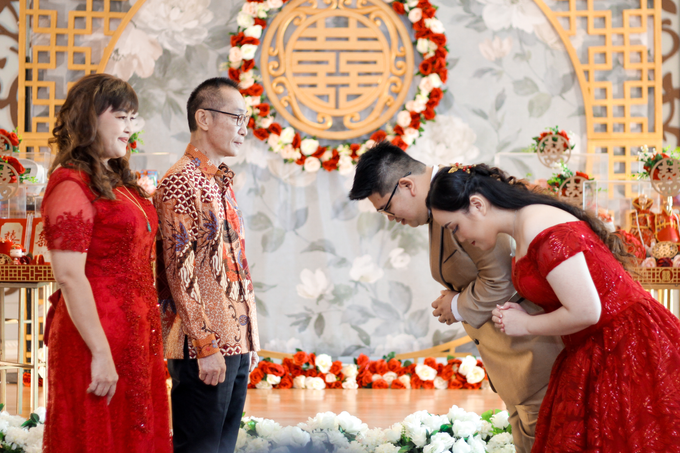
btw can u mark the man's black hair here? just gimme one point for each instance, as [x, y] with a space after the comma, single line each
[207, 95]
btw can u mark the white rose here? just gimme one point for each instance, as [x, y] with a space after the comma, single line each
[435, 25]
[248, 51]
[417, 434]
[309, 146]
[410, 135]
[456, 413]
[267, 428]
[263, 384]
[406, 380]
[254, 32]
[390, 376]
[273, 380]
[500, 420]
[274, 142]
[288, 152]
[314, 284]
[416, 106]
[387, 447]
[435, 80]
[299, 382]
[291, 436]
[422, 45]
[245, 20]
[235, 55]
[41, 412]
[440, 383]
[415, 15]
[264, 121]
[365, 270]
[499, 442]
[439, 443]
[249, 8]
[246, 80]
[345, 165]
[461, 447]
[495, 49]
[350, 370]
[434, 422]
[262, 9]
[351, 424]
[475, 375]
[393, 433]
[425, 372]
[315, 383]
[469, 362]
[330, 377]
[274, 4]
[464, 429]
[404, 118]
[258, 445]
[478, 445]
[337, 439]
[324, 362]
[399, 259]
[287, 135]
[425, 85]
[350, 384]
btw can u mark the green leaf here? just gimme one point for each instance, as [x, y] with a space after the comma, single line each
[341, 293]
[567, 82]
[292, 220]
[261, 307]
[400, 296]
[338, 261]
[302, 324]
[259, 222]
[218, 37]
[480, 113]
[370, 223]
[539, 104]
[356, 315]
[319, 325]
[272, 240]
[262, 287]
[476, 24]
[525, 87]
[350, 350]
[363, 336]
[522, 56]
[344, 209]
[481, 72]
[321, 245]
[385, 311]
[452, 62]
[500, 100]
[418, 323]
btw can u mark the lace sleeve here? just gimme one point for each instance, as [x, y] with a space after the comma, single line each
[69, 217]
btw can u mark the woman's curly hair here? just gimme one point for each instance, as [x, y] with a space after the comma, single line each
[452, 191]
[75, 134]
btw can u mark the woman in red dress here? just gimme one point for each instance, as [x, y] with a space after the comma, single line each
[616, 385]
[106, 376]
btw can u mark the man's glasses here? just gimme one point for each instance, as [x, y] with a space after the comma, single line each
[240, 119]
[384, 210]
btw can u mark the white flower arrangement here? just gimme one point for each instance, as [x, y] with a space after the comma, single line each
[20, 435]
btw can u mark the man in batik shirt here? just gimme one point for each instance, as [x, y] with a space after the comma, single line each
[206, 294]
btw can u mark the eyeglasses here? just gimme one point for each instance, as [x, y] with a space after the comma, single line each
[384, 210]
[240, 119]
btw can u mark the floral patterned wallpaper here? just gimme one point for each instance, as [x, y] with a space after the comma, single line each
[332, 275]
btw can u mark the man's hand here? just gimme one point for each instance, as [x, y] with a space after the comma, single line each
[254, 359]
[212, 369]
[442, 307]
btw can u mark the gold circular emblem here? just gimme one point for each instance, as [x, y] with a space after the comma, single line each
[664, 250]
[665, 177]
[340, 71]
[553, 148]
[9, 180]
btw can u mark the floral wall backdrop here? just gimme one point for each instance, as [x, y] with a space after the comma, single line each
[332, 275]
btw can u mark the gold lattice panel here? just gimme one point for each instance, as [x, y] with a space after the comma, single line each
[619, 117]
[51, 44]
[26, 273]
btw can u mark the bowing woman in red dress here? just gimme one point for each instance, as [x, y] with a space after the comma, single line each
[106, 380]
[616, 385]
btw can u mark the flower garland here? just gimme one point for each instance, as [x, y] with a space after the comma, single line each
[13, 138]
[321, 372]
[537, 146]
[649, 159]
[306, 151]
[421, 432]
[559, 178]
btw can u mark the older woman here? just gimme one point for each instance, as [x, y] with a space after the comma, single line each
[106, 382]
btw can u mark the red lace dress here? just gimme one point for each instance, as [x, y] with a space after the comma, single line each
[120, 250]
[616, 385]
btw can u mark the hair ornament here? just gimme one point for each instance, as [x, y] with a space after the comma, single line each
[455, 167]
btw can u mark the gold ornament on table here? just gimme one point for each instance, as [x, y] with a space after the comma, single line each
[664, 250]
[340, 81]
[552, 147]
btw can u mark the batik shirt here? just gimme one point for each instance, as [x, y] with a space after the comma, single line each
[204, 285]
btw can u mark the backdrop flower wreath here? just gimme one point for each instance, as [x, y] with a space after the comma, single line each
[306, 151]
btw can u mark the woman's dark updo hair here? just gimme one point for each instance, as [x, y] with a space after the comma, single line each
[451, 192]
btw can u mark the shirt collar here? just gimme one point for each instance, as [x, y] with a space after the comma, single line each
[209, 169]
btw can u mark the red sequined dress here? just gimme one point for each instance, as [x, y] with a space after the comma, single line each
[616, 385]
[120, 250]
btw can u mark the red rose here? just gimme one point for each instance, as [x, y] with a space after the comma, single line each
[394, 365]
[301, 159]
[447, 372]
[398, 130]
[415, 120]
[247, 65]
[14, 139]
[439, 65]
[251, 123]
[455, 384]
[378, 136]
[428, 12]
[424, 33]
[234, 74]
[334, 385]
[254, 90]
[380, 384]
[251, 386]
[297, 140]
[397, 141]
[263, 108]
[398, 385]
[373, 367]
[431, 362]
[312, 372]
[432, 103]
[133, 145]
[425, 67]
[423, 4]
[236, 39]
[366, 378]
[14, 163]
[382, 367]
[582, 175]
[429, 114]
[275, 128]
[427, 385]
[261, 134]
[261, 22]
[398, 7]
[476, 386]
[250, 40]
[300, 357]
[440, 53]
[256, 376]
[439, 39]
[444, 75]
[564, 134]
[295, 370]
[320, 151]
[416, 383]
[436, 94]
[336, 368]
[286, 383]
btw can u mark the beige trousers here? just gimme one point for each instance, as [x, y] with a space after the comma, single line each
[523, 418]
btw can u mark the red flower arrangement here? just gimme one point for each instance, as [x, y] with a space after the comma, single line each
[10, 140]
[559, 178]
[305, 151]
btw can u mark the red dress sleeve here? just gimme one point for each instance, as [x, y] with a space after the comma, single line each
[557, 244]
[68, 214]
